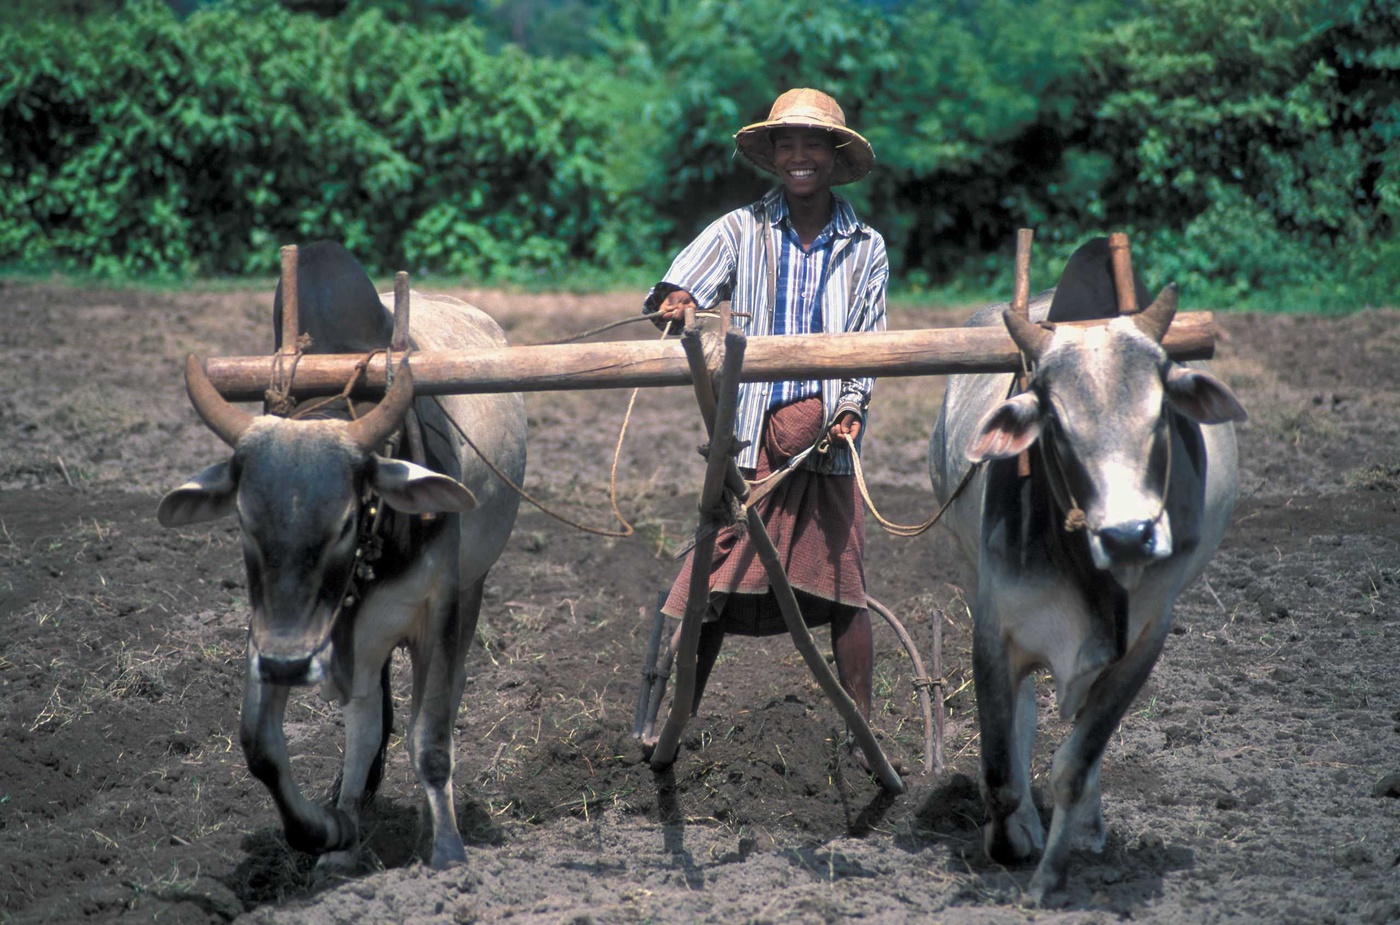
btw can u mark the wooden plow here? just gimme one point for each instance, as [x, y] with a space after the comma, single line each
[714, 366]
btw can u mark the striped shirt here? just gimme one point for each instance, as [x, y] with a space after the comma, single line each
[737, 258]
[801, 275]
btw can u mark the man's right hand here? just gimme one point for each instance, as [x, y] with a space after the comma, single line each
[673, 307]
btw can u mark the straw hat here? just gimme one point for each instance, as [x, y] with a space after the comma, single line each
[807, 108]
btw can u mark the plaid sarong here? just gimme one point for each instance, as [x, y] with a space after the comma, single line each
[817, 523]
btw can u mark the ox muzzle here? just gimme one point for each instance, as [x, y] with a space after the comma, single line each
[293, 665]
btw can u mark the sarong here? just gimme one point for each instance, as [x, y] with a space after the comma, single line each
[817, 524]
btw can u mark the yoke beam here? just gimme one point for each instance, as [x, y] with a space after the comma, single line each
[632, 364]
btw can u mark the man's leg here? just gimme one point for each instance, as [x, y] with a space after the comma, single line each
[853, 647]
[711, 639]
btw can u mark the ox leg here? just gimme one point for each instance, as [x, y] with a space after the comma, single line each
[368, 714]
[308, 826]
[439, 676]
[1075, 771]
[1006, 716]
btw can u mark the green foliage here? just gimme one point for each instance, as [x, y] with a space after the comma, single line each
[702, 69]
[975, 137]
[137, 143]
[1248, 148]
[1255, 140]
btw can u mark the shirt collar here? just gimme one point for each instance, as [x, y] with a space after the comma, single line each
[843, 222]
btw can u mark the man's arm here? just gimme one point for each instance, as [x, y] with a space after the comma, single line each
[868, 314]
[702, 274]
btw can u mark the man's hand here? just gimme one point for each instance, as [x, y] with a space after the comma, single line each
[847, 423]
[673, 307]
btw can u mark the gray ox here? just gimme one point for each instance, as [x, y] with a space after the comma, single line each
[1142, 446]
[304, 492]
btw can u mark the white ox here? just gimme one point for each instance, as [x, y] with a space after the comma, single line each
[1142, 448]
[305, 493]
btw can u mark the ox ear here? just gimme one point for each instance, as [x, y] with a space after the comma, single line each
[413, 489]
[1202, 397]
[1009, 428]
[208, 496]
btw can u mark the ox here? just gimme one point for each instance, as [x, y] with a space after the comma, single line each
[341, 566]
[1078, 565]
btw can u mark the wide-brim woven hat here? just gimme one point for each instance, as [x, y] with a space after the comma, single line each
[808, 108]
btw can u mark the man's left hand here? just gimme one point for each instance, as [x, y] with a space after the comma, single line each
[847, 423]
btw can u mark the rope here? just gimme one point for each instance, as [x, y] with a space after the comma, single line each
[525, 495]
[904, 530]
[598, 330]
[922, 683]
[708, 313]
[627, 528]
[279, 401]
[278, 398]
[360, 366]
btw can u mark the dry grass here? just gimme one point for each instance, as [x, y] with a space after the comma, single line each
[1380, 477]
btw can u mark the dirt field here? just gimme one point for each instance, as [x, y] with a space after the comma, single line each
[1256, 779]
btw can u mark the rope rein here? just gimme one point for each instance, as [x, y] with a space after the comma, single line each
[905, 530]
[279, 401]
[612, 475]
[627, 528]
[525, 495]
[631, 319]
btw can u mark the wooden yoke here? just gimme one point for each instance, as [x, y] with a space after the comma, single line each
[1021, 305]
[629, 364]
[1123, 273]
[290, 322]
[399, 342]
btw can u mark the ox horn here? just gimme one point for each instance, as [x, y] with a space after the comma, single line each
[228, 422]
[1157, 317]
[370, 431]
[1033, 339]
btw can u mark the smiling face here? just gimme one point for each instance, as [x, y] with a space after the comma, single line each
[804, 159]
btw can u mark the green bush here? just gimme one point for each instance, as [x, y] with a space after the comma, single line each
[1249, 149]
[1255, 142]
[136, 143]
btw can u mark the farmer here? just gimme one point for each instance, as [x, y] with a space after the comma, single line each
[797, 261]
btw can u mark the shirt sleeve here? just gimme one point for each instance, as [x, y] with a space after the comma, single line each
[867, 314]
[705, 268]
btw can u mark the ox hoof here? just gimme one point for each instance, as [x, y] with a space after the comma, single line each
[447, 855]
[1013, 840]
[1047, 888]
[336, 865]
[335, 831]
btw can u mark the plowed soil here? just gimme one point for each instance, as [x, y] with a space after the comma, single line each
[1255, 779]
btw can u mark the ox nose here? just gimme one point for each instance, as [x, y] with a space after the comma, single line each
[280, 670]
[1128, 542]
